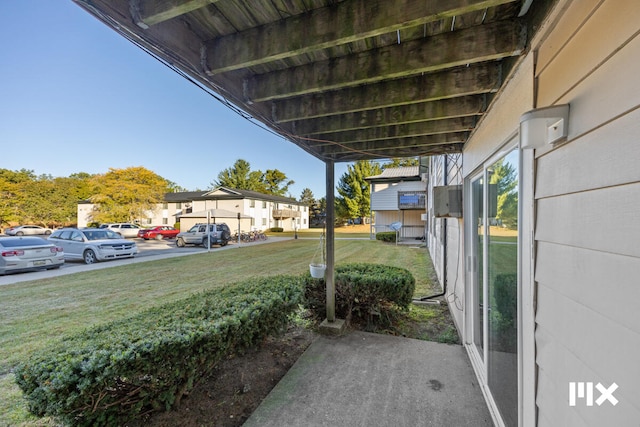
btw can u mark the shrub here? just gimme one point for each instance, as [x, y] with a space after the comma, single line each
[276, 229]
[386, 236]
[362, 290]
[119, 371]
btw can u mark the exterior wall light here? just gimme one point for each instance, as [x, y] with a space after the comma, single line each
[543, 126]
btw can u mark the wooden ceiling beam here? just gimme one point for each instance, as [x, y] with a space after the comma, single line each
[409, 146]
[328, 27]
[432, 127]
[401, 114]
[151, 12]
[473, 45]
[473, 80]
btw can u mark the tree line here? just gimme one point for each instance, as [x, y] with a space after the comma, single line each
[124, 195]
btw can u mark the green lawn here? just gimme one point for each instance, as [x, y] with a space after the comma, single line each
[38, 312]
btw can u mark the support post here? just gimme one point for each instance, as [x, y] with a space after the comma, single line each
[330, 242]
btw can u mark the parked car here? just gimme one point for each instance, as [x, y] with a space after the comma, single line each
[27, 230]
[160, 232]
[197, 235]
[28, 254]
[93, 244]
[125, 229]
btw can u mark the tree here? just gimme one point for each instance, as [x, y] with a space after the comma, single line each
[124, 195]
[505, 177]
[241, 177]
[275, 182]
[355, 193]
[401, 162]
[43, 200]
[307, 198]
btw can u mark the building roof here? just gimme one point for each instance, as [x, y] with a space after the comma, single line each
[222, 193]
[405, 173]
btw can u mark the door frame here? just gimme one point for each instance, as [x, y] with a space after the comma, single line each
[526, 283]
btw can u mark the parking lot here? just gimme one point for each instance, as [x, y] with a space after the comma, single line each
[148, 250]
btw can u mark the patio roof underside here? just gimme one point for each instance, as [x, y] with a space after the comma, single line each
[344, 80]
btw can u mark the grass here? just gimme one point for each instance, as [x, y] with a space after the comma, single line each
[37, 313]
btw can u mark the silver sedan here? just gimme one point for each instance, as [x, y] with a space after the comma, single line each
[27, 230]
[93, 244]
[28, 254]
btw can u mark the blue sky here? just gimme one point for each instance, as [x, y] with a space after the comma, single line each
[77, 97]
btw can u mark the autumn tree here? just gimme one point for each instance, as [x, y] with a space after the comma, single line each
[43, 200]
[124, 195]
[354, 192]
[12, 194]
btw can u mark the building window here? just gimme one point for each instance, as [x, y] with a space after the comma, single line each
[165, 221]
[165, 205]
[264, 221]
[149, 220]
[264, 204]
[252, 203]
[178, 205]
[253, 221]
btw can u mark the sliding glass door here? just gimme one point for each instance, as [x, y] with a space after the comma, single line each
[493, 230]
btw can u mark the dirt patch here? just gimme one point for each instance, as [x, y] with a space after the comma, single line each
[230, 394]
[237, 386]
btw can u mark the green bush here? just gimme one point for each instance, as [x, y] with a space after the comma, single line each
[361, 290]
[276, 229]
[386, 236]
[119, 371]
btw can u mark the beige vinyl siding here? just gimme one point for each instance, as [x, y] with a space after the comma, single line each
[587, 223]
[385, 196]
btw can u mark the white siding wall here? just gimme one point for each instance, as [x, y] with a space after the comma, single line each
[439, 229]
[384, 204]
[385, 196]
[588, 228]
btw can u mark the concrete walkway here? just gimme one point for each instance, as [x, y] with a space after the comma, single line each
[364, 379]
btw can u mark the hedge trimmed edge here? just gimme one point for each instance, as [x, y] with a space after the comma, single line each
[124, 369]
[362, 289]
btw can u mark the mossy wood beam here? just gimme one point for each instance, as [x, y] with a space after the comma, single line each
[328, 27]
[373, 151]
[474, 45]
[432, 127]
[412, 142]
[398, 115]
[151, 12]
[473, 80]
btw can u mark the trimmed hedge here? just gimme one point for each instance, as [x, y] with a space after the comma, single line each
[386, 236]
[361, 289]
[119, 371]
[276, 229]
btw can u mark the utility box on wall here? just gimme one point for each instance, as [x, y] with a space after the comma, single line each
[447, 201]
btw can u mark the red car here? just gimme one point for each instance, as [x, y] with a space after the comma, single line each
[160, 232]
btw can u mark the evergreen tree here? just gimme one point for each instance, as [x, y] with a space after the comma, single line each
[354, 199]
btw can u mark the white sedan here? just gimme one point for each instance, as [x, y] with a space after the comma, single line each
[28, 254]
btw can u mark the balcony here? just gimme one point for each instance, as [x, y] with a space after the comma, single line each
[285, 214]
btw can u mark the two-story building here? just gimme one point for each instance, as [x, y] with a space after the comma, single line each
[258, 211]
[398, 197]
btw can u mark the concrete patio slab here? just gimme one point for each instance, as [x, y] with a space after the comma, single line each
[364, 379]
